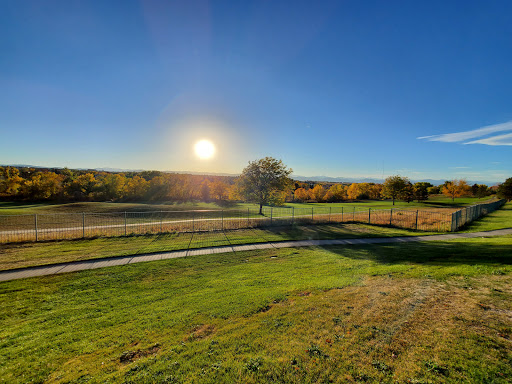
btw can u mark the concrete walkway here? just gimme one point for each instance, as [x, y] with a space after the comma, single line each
[53, 269]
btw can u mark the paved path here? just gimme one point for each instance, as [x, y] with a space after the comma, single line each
[74, 266]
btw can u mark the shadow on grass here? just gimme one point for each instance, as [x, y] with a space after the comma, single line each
[439, 204]
[440, 253]
[23, 204]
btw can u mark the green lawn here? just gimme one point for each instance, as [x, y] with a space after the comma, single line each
[15, 208]
[436, 201]
[18, 255]
[397, 313]
[19, 208]
[501, 218]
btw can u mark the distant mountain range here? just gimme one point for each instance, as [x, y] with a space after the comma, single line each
[326, 179]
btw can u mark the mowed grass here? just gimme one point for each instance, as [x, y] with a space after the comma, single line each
[19, 208]
[499, 219]
[397, 313]
[434, 202]
[20, 255]
[16, 208]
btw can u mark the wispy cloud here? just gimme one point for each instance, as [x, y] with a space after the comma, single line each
[495, 140]
[490, 131]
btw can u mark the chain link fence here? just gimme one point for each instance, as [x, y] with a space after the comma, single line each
[40, 227]
[468, 214]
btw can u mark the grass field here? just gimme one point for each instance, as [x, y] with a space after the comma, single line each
[31, 254]
[16, 208]
[437, 312]
[501, 218]
[18, 255]
[19, 208]
[404, 313]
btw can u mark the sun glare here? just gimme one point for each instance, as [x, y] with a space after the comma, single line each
[204, 149]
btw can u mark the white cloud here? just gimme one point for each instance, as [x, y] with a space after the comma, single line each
[494, 140]
[457, 137]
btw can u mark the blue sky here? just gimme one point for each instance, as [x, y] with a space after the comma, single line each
[342, 88]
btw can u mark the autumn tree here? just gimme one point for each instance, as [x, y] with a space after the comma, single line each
[421, 190]
[394, 186]
[505, 189]
[353, 192]
[113, 186]
[44, 186]
[13, 182]
[136, 187]
[205, 190]
[82, 187]
[219, 190]
[301, 194]
[317, 193]
[407, 193]
[456, 188]
[261, 179]
[337, 192]
[374, 191]
[435, 190]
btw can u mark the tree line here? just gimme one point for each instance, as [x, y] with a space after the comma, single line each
[38, 184]
[264, 181]
[394, 188]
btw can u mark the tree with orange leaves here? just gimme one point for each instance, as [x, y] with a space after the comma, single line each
[456, 188]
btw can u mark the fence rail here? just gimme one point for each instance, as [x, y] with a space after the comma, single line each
[468, 214]
[57, 226]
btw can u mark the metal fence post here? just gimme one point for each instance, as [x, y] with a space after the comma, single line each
[83, 225]
[248, 221]
[354, 214]
[271, 211]
[293, 214]
[417, 219]
[222, 219]
[161, 221]
[330, 208]
[193, 222]
[125, 232]
[342, 214]
[35, 225]
[369, 215]
[312, 218]
[391, 216]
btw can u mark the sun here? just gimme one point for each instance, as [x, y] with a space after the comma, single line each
[204, 149]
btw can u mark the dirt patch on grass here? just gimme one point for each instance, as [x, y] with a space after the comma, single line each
[200, 332]
[130, 356]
